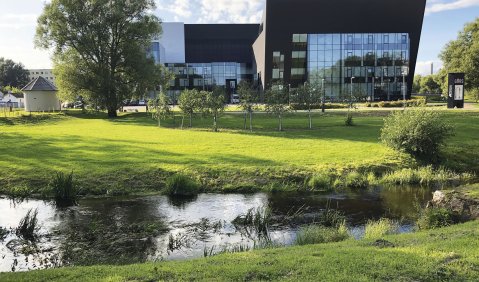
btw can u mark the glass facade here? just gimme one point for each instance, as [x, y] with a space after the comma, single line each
[205, 76]
[375, 63]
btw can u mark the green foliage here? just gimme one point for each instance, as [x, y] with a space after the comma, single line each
[378, 229]
[355, 179]
[249, 97]
[418, 132]
[215, 104]
[12, 74]
[180, 185]
[258, 219]
[28, 226]
[188, 103]
[430, 84]
[320, 181]
[277, 102]
[462, 55]
[348, 121]
[316, 234]
[307, 96]
[425, 176]
[92, 55]
[432, 218]
[161, 107]
[64, 189]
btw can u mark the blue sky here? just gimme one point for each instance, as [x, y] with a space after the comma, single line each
[444, 18]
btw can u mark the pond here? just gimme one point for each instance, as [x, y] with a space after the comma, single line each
[154, 228]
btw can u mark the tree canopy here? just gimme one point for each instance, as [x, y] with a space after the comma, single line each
[12, 74]
[462, 55]
[100, 48]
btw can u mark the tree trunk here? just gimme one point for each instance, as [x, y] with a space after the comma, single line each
[310, 119]
[191, 120]
[251, 121]
[280, 123]
[215, 125]
[159, 121]
[245, 112]
[182, 121]
[112, 112]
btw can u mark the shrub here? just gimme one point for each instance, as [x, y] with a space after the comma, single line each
[316, 234]
[320, 182]
[64, 189]
[180, 185]
[355, 180]
[419, 133]
[378, 229]
[3, 233]
[28, 226]
[432, 218]
[424, 176]
[349, 120]
[332, 218]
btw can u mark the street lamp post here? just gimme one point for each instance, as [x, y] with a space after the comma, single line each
[351, 94]
[323, 100]
[404, 73]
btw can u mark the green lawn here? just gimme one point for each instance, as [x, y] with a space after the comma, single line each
[131, 154]
[449, 254]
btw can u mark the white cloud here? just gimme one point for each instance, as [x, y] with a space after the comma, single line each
[424, 67]
[436, 6]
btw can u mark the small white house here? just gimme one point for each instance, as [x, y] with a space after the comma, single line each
[41, 96]
[13, 100]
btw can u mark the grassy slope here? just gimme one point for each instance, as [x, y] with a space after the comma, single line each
[132, 151]
[448, 254]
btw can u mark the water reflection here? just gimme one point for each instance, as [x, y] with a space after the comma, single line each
[129, 230]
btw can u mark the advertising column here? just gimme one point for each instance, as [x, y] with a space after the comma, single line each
[456, 91]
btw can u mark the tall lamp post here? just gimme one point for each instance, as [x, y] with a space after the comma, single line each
[323, 100]
[351, 94]
[405, 72]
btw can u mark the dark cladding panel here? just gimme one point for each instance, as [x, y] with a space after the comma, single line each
[206, 43]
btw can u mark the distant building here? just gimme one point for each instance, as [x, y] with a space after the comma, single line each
[45, 73]
[370, 44]
[12, 100]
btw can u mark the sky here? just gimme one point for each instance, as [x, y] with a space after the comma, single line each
[443, 20]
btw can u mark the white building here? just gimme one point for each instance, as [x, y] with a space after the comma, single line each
[12, 100]
[41, 96]
[45, 73]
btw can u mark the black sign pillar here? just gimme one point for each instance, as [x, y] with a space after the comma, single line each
[456, 91]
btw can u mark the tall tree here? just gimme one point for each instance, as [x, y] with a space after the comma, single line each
[100, 47]
[12, 74]
[462, 55]
[307, 96]
[277, 102]
[248, 99]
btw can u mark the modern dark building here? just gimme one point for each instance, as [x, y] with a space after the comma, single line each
[370, 45]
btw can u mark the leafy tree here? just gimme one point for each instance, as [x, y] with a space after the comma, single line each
[277, 102]
[188, 104]
[248, 99]
[462, 55]
[13, 74]
[215, 104]
[307, 96]
[100, 47]
[416, 86]
[161, 107]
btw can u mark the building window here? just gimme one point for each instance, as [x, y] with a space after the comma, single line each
[350, 39]
[370, 39]
[184, 83]
[300, 38]
[404, 39]
[278, 65]
[386, 39]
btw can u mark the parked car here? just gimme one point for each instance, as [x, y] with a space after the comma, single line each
[67, 105]
[235, 99]
[78, 105]
[142, 103]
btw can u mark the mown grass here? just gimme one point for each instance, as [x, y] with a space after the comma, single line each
[448, 254]
[131, 154]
